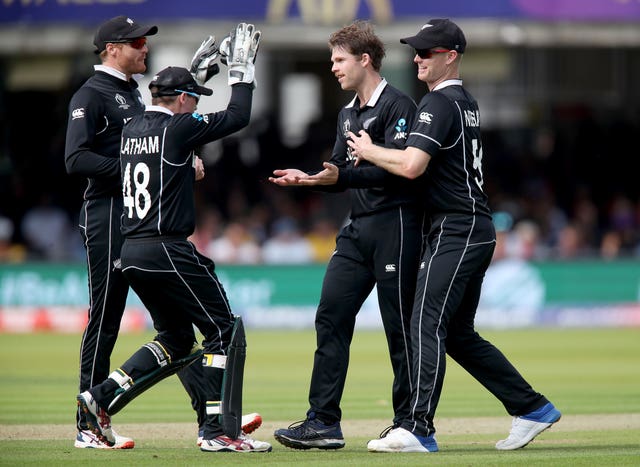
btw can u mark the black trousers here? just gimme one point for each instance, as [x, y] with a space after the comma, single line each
[108, 290]
[180, 289]
[100, 230]
[382, 249]
[458, 253]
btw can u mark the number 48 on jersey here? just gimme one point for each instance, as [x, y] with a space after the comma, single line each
[140, 199]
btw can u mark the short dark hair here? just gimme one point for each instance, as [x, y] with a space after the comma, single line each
[359, 38]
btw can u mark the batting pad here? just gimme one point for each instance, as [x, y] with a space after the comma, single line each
[123, 397]
[232, 381]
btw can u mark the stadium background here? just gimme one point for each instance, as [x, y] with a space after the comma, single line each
[556, 83]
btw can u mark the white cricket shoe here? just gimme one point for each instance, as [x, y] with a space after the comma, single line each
[250, 423]
[401, 440]
[242, 443]
[86, 439]
[526, 427]
[98, 419]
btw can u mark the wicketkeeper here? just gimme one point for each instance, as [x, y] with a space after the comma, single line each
[176, 283]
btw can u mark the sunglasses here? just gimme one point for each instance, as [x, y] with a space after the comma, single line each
[192, 94]
[428, 53]
[138, 43]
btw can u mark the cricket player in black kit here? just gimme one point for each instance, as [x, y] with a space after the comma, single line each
[445, 144]
[97, 112]
[176, 283]
[379, 247]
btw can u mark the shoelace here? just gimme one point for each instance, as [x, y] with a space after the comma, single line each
[297, 424]
[386, 431]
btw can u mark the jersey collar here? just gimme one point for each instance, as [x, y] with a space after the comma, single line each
[374, 97]
[157, 108]
[111, 71]
[448, 82]
[117, 73]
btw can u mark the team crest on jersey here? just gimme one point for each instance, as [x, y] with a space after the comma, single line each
[401, 129]
[77, 113]
[122, 102]
[425, 117]
[367, 123]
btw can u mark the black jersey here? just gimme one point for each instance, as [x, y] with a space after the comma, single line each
[387, 116]
[157, 164]
[97, 113]
[447, 126]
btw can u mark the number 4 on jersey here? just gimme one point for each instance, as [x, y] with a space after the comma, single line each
[141, 198]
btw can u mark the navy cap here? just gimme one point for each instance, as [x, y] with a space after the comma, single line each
[120, 29]
[174, 80]
[438, 33]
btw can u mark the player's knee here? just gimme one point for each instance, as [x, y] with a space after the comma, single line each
[178, 347]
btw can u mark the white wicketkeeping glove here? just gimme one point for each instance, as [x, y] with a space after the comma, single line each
[203, 66]
[239, 51]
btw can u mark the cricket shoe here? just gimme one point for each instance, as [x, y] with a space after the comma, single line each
[401, 440]
[311, 433]
[98, 419]
[250, 423]
[526, 427]
[86, 439]
[242, 443]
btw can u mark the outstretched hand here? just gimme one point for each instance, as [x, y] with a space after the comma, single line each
[287, 177]
[328, 176]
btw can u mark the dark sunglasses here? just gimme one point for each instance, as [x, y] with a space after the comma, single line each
[428, 53]
[138, 43]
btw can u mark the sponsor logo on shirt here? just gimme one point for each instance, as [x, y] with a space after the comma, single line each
[200, 117]
[401, 129]
[425, 117]
[77, 113]
[390, 268]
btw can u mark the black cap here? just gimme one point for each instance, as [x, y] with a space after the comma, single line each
[438, 33]
[174, 80]
[120, 29]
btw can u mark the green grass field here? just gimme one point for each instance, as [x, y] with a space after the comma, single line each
[591, 375]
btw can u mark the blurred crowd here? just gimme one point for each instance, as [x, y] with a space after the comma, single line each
[557, 193]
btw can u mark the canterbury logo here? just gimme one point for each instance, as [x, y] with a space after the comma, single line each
[425, 117]
[77, 113]
[390, 268]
